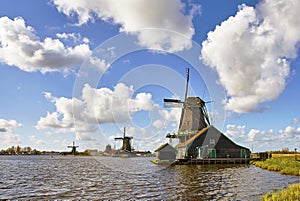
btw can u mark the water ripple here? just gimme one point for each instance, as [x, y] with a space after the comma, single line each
[105, 178]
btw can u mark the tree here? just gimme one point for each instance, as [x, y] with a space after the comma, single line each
[108, 148]
[18, 150]
[27, 150]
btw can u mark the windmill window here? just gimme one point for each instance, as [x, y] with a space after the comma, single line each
[212, 141]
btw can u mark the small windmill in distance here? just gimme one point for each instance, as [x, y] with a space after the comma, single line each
[73, 148]
[126, 141]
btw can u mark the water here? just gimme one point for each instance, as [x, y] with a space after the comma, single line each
[105, 178]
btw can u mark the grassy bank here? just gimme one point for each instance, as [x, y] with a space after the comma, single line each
[290, 194]
[288, 166]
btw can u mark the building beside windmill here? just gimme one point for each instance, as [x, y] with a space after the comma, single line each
[197, 139]
[166, 152]
[210, 143]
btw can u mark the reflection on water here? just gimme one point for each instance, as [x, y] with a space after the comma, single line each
[95, 178]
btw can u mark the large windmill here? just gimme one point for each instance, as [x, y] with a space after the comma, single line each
[197, 139]
[194, 116]
[126, 146]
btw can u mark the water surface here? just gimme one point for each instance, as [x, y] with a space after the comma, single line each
[103, 178]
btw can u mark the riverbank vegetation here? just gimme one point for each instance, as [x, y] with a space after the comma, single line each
[17, 150]
[288, 166]
[291, 193]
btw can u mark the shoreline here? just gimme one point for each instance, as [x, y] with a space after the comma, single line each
[286, 166]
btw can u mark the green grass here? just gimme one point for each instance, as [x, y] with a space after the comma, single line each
[288, 166]
[290, 194]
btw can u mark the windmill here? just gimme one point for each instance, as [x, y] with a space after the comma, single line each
[73, 148]
[126, 146]
[194, 116]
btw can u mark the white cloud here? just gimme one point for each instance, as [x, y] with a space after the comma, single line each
[98, 63]
[21, 47]
[237, 133]
[167, 117]
[171, 115]
[73, 37]
[9, 124]
[264, 140]
[36, 141]
[253, 135]
[151, 21]
[295, 120]
[7, 135]
[289, 132]
[159, 123]
[251, 52]
[96, 106]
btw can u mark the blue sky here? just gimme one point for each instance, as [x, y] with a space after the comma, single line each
[76, 71]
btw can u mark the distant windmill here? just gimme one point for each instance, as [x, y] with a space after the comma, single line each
[73, 148]
[194, 116]
[126, 146]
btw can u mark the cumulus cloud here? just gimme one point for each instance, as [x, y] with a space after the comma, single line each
[151, 21]
[73, 37]
[3, 130]
[289, 132]
[251, 52]
[171, 115]
[8, 125]
[98, 63]
[7, 135]
[96, 106]
[264, 140]
[21, 47]
[167, 117]
[36, 141]
[236, 132]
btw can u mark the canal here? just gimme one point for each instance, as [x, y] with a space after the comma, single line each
[107, 178]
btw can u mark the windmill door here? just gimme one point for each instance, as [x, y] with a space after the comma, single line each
[243, 153]
[212, 153]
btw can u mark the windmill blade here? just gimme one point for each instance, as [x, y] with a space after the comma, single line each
[167, 100]
[118, 138]
[173, 105]
[204, 110]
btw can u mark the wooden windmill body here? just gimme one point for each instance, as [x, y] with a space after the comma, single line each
[194, 115]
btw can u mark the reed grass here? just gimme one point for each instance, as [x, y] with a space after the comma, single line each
[288, 166]
[290, 194]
